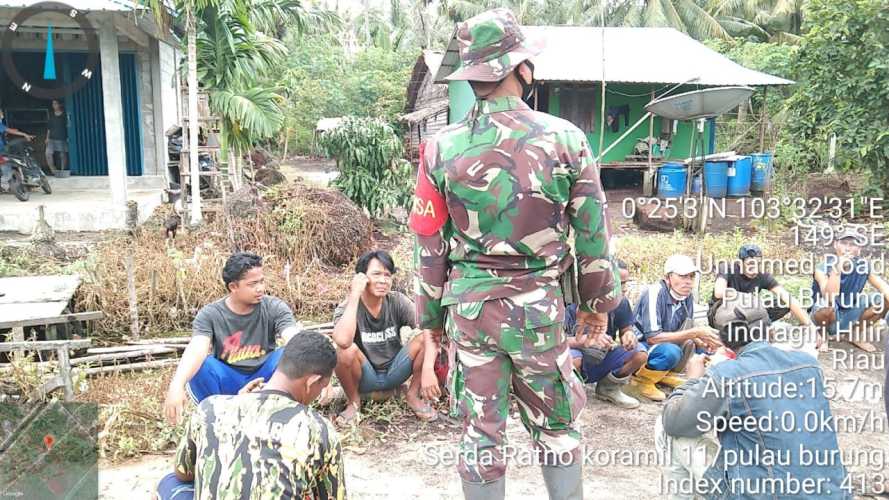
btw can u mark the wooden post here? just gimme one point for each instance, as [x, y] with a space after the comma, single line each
[286, 140]
[131, 290]
[648, 177]
[765, 118]
[65, 372]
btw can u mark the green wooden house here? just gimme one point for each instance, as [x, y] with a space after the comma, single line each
[637, 65]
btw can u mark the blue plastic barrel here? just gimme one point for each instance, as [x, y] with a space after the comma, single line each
[739, 176]
[696, 184]
[715, 178]
[762, 171]
[671, 180]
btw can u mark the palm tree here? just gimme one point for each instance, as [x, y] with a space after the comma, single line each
[688, 16]
[228, 52]
[774, 20]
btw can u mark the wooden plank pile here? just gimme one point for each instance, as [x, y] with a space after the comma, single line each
[134, 355]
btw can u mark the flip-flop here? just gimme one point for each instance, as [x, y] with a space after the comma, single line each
[354, 419]
[426, 413]
[863, 345]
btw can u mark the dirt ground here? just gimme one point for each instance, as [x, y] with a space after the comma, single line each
[411, 460]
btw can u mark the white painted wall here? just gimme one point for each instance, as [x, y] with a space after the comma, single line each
[169, 57]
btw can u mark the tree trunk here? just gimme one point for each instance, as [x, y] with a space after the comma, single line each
[193, 123]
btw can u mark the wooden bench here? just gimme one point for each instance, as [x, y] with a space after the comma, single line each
[61, 347]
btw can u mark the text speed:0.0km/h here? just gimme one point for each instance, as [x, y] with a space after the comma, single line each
[689, 208]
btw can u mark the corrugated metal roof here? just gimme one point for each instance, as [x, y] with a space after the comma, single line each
[81, 5]
[638, 55]
[426, 111]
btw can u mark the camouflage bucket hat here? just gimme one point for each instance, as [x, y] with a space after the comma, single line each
[492, 44]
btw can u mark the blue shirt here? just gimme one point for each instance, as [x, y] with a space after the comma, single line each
[851, 283]
[657, 312]
[618, 319]
[2, 137]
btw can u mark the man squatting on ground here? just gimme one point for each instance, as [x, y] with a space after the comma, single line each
[664, 322]
[367, 326]
[234, 339]
[771, 417]
[266, 443]
[608, 360]
[840, 304]
[496, 195]
[745, 276]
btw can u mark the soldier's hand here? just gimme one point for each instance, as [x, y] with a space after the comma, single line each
[174, 404]
[359, 283]
[253, 385]
[429, 389]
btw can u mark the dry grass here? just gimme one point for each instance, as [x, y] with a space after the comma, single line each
[645, 255]
[131, 419]
[304, 235]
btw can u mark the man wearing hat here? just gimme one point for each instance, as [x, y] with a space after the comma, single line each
[839, 302]
[664, 322]
[496, 197]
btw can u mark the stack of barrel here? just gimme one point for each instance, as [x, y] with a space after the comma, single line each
[736, 176]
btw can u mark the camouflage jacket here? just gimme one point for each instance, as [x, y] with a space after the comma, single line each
[261, 445]
[496, 195]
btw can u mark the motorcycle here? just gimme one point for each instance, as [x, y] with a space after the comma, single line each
[26, 173]
[205, 161]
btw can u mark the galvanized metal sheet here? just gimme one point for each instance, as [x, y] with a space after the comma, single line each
[632, 55]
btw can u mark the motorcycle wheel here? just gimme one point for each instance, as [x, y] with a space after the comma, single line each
[44, 184]
[18, 187]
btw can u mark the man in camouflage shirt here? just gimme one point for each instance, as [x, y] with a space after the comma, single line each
[266, 444]
[496, 195]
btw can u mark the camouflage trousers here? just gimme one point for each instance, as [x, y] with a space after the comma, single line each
[513, 345]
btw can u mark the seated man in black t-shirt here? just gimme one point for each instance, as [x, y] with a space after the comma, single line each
[367, 330]
[744, 276]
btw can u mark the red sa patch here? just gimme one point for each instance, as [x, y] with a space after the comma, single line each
[430, 211]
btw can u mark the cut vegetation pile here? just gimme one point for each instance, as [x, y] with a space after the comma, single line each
[304, 234]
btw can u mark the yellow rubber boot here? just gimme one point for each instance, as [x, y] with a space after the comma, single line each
[672, 379]
[643, 383]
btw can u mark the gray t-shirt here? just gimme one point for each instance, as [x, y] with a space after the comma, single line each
[243, 341]
[379, 338]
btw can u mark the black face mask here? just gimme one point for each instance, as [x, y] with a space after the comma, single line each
[527, 88]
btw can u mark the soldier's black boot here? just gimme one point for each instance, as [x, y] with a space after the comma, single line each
[492, 490]
[563, 482]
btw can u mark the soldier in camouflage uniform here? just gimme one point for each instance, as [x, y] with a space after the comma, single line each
[496, 195]
[266, 444]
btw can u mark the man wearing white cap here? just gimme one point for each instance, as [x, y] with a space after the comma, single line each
[664, 316]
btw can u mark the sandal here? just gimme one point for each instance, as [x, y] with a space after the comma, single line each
[863, 345]
[342, 419]
[426, 413]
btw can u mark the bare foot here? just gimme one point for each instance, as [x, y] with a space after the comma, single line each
[350, 414]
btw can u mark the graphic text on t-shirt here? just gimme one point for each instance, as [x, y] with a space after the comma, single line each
[233, 351]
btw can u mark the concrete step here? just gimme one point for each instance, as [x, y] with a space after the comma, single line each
[102, 183]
